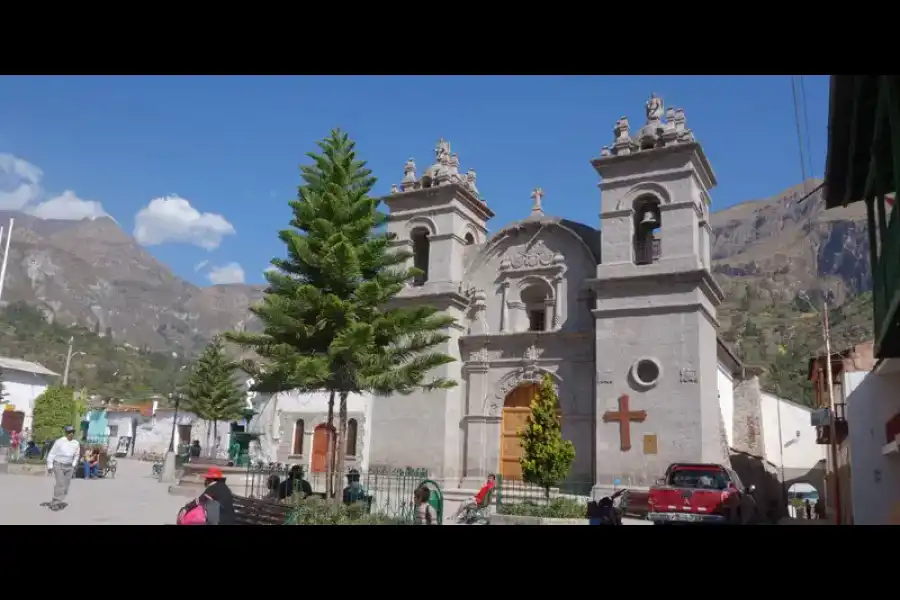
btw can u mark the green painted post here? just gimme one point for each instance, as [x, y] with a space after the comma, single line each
[436, 499]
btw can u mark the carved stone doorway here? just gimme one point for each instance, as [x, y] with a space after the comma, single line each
[516, 410]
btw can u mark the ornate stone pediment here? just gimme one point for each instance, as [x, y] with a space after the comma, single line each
[528, 258]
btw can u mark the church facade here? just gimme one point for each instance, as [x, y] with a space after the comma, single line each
[624, 323]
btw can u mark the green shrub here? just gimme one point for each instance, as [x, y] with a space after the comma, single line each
[53, 410]
[559, 508]
[316, 511]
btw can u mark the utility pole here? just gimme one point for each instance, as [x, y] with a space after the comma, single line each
[68, 358]
[5, 256]
[829, 385]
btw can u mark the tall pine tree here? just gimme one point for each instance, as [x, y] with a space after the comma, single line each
[547, 456]
[211, 391]
[327, 321]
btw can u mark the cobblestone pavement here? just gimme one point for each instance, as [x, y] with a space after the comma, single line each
[132, 498]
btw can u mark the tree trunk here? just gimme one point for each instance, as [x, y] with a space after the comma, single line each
[216, 437]
[208, 434]
[340, 444]
[329, 454]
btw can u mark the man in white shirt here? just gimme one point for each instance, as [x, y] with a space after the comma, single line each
[61, 461]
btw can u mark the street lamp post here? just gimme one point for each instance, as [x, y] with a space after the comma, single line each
[174, 422]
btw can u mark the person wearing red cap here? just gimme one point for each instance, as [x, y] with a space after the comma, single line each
[217, 494]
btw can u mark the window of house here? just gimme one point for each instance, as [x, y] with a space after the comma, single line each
[298, 437]
[352, 428]
[537, 319]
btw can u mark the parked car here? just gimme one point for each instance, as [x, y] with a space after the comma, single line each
[701, 493]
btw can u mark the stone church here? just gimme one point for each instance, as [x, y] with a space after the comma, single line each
[624, 322]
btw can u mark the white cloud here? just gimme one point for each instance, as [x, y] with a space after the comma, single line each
[200, 266]
[21, 188]
[20, 182]
[68, 206]
[172, 219]
[230, 273]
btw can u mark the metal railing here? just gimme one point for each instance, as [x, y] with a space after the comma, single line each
[387, 491]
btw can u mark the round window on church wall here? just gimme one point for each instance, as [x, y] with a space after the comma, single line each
[646, 372]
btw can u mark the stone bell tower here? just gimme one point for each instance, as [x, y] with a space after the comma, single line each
[435, 217]
[656, 325]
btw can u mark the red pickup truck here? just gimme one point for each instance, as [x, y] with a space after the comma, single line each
[700, 493]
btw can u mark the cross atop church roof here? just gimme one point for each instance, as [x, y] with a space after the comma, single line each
[655, 133]
[536, 197]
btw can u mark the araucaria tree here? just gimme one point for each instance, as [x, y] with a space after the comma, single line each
[547, 456]
[211, 391]
[328, 321]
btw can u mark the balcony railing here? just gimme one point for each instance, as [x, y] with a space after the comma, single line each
[823, 432]
[646, 251]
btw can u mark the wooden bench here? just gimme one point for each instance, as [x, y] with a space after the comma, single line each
[251, 511]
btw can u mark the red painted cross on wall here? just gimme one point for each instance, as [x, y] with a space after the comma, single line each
[624, 418]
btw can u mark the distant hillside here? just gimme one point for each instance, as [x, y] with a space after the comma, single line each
[771, 254]
[98, 363]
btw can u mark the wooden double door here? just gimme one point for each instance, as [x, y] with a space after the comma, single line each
[516, 410]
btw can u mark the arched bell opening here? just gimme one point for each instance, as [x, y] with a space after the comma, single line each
[647, 225]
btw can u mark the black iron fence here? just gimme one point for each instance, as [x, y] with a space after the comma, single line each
[385, 491]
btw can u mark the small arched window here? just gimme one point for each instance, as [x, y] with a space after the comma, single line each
[470, 239]
[537, 298]
[352, 429]
[298, 437]
[421, 251]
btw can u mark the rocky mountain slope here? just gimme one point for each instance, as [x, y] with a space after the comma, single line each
[777, 260]
[94, 274]
[766, 252]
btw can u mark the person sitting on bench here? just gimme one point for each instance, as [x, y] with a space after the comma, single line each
[91, 464]
[354, 492]
[478, 499]
[295, 483]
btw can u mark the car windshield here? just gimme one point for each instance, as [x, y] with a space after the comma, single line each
[703, 479]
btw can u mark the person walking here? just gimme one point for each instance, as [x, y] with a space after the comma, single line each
[61, 461]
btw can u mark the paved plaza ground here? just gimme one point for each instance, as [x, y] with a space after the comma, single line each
[132, 498]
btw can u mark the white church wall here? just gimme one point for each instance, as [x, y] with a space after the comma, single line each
[726, 401]
[875, 486]
[796, 448]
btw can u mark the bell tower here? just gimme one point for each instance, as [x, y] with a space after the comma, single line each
[656, 324]
[436, 217]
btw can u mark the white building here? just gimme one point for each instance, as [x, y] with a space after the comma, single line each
[23, 382]
[790, 442]
[873, 418]
[294, 429]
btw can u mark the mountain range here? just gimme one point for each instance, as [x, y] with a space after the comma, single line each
[776, 259]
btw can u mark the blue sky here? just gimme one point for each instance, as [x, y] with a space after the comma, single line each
[226, 149]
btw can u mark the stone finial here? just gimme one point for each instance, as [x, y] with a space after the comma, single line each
[470, 181]
[441, 150]
[395, 189]
[444, 171]
[409, 171]
[654, 108]
[453, 164]
[656, 133]
[536, 196]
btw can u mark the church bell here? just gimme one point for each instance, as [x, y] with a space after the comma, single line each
[649, 220]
